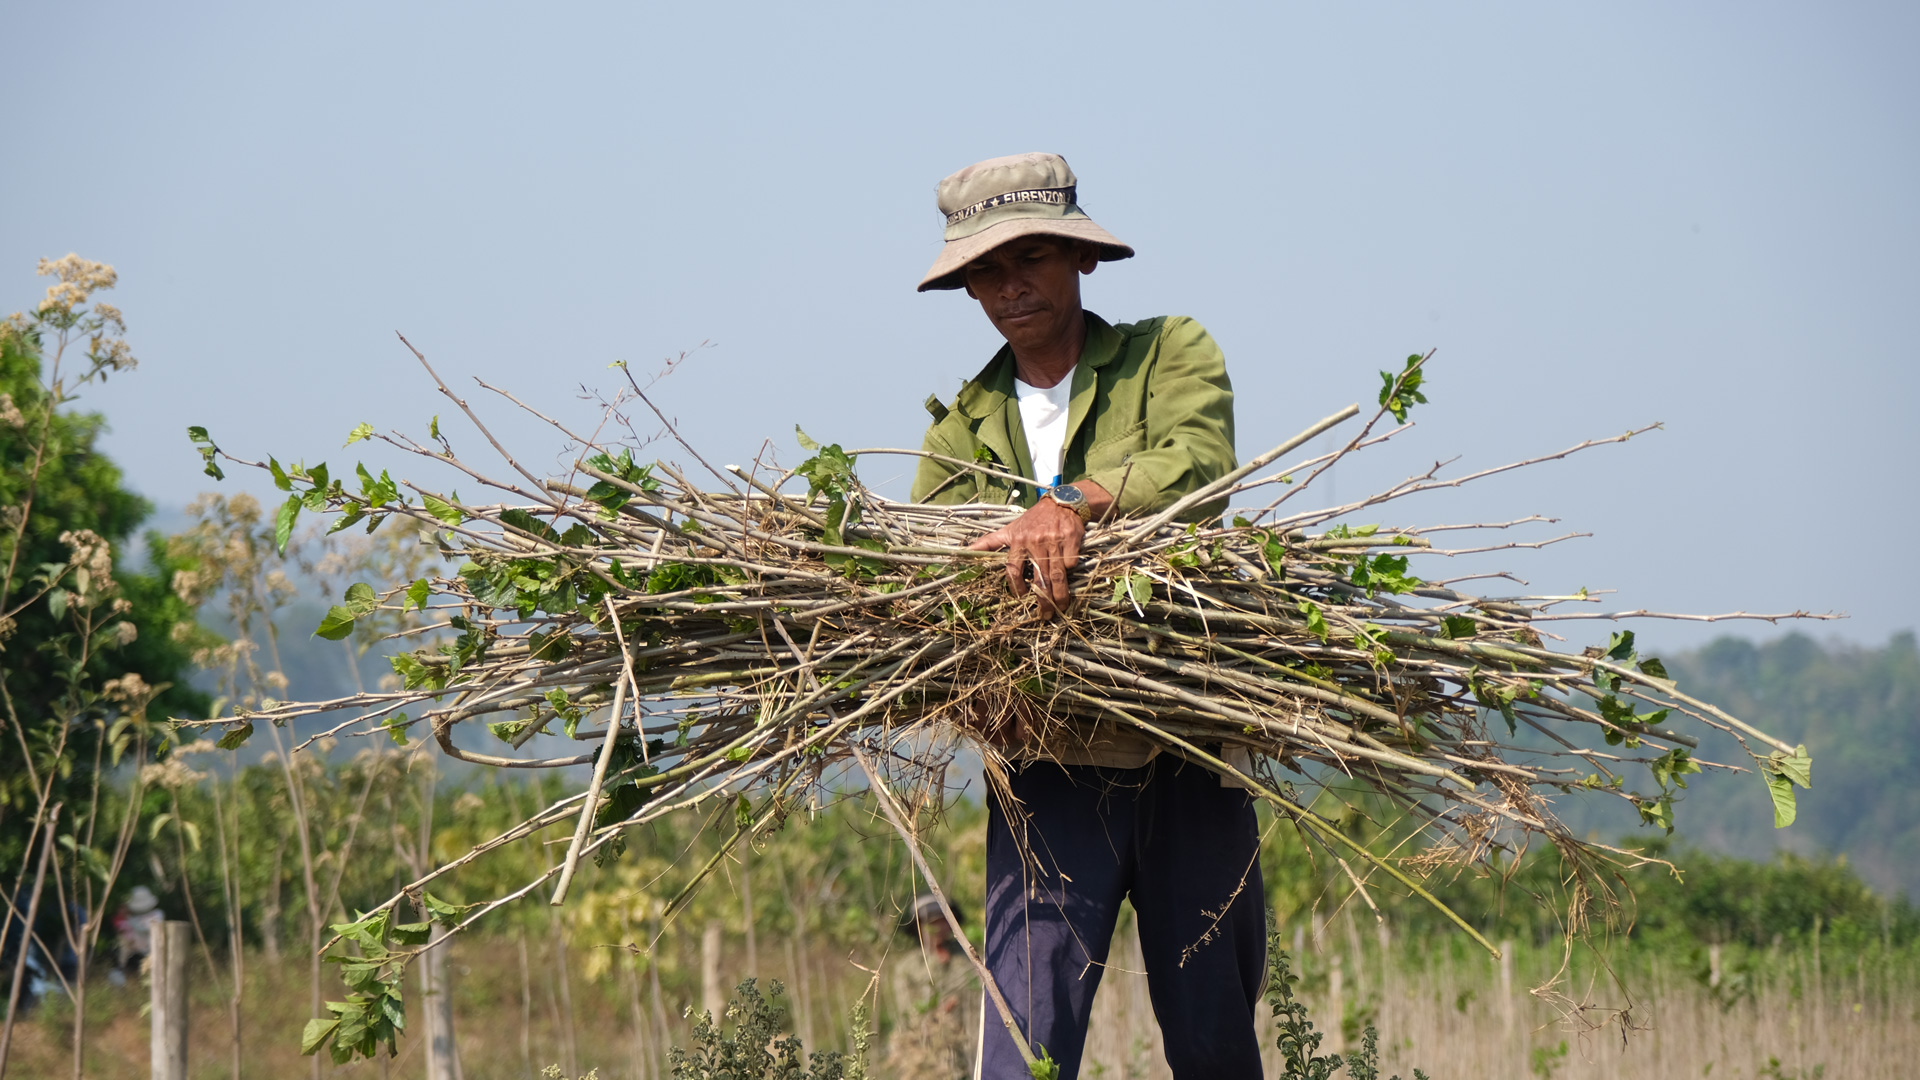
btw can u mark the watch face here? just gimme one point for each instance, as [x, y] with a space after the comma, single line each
[1073, 499]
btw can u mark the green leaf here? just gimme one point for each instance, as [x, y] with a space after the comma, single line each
[337, 624]
[440, 910]
[418, 933]
[442, 509]
[1652, 666]
[376, 492]
[527, 523]
[417, 594]
[396, 728]
[1781, 789]
[806, 442]
[1615, 711]
[549, 647]
[508, 730]
[1400, 392]
[280, 479]
[361, 599]
[1673, 767]
[1383, 573]
[362, 430]
[1498, 697]
[360, 976]
[1620, 646]
[1458, 627]
[1275, 554]
[1136, 589]
[433, 427]
[348, 518]
[316, 1033]
[493, 587]
[831, 472]
[1797, 766]
[57, 602]
[1316, 621]
[610, 497]
[283, 523]
[208, 452]
[413, 673]
[367, 931]
[1656, 812]
[236, 736]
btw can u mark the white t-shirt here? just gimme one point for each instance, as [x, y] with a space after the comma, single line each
[1043, 415]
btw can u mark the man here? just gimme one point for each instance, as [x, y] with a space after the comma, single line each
[133, 930]
[1104, 421]
[936, 1000]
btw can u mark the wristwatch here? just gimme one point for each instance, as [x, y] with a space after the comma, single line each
[1073, 499]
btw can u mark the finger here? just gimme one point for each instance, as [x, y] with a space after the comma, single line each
[1017, 569]
[993, 541]
[1043, 591]
[1070, 546]
[1061, 562]
[1068, 559]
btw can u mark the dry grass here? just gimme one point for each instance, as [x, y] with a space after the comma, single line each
[1453, 1023]
[1448, 1018]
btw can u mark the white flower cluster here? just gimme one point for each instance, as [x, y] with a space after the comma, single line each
[92, 560]
[79, 279]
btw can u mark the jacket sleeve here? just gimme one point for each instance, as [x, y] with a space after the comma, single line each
[935, 481]
[1189, 426]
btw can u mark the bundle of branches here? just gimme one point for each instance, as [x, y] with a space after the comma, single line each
[740, 640]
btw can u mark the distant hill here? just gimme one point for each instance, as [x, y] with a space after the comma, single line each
[1856, 708]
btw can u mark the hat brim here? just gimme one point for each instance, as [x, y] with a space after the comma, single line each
[956, 254]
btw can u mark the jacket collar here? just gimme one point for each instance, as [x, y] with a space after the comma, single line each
[990, 391]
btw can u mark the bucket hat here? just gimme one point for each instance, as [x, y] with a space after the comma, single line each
[141, 900]
[1001, 199]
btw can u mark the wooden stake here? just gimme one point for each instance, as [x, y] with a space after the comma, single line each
[712, 998]
[168, 963]
[436, 990]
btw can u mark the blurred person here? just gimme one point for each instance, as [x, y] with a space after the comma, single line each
[936, 997]
[133, 934]
[38, 973]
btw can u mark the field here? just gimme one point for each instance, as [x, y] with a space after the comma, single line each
[540, 992]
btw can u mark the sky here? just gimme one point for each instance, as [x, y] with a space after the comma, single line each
[1599, 217]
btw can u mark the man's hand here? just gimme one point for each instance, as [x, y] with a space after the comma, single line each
[1048, 536]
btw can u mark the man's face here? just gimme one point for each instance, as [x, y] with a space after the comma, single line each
[1030, 288]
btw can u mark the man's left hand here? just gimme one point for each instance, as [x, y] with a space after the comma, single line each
[1048, 536]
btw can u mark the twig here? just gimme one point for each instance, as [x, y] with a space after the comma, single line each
[899, 824]
[592, 802]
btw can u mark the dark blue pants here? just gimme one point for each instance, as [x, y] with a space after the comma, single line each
[1186, 852]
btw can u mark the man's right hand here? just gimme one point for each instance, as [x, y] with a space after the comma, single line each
[1048, 536]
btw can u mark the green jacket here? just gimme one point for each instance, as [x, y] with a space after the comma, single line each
[1150, 419]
